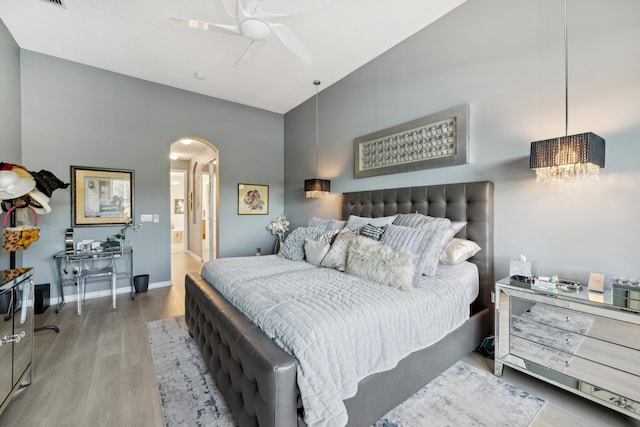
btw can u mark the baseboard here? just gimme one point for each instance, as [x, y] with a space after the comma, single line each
[195, 256]
[160, 284]
[105, 293]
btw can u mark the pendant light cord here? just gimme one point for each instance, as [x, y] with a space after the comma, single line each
[317, 83]
[566, 75]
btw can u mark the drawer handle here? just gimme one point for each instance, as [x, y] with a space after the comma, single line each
[12, 338]
[567, 319]
[567, 341]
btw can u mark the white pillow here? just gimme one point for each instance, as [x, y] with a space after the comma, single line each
[355, 223]
[373, 261]
[315, 251]
[458, 250]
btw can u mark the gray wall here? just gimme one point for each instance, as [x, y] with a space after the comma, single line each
[505, 58]
[79, 115]
[10, 135]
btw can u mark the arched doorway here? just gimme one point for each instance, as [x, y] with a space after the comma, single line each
[193, 200]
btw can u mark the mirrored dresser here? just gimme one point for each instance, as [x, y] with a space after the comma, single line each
[16, 331]
[584, 342]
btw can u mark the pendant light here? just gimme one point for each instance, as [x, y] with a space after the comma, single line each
[568, 157]
[316, 188]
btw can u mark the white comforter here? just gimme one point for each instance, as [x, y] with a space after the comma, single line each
[340, 328]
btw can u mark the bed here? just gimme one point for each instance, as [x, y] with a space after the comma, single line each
[259, 379]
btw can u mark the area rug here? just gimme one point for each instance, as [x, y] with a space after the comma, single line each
[461, 396]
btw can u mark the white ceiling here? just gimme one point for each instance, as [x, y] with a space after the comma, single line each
[136, 38]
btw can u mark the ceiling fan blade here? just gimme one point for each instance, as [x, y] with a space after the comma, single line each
[291, 41]
[251, 51]
[275, 8]
[221, 10]
[241, 12]
[206, 26]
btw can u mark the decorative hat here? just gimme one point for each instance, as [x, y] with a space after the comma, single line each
[47, 182]
[39, 202]
[13, 186]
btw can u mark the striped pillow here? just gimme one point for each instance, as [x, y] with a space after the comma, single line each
[414, 240]
[372, 232]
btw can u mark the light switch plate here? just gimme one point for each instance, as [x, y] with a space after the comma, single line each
[156, 217]
[146, 218]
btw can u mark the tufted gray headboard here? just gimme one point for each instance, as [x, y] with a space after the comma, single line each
[471, 202]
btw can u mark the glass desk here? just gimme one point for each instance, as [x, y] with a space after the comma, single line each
[71, 266]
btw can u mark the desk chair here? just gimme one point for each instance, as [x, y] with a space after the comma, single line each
[106, 266]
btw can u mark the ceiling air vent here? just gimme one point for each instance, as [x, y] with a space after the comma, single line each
[55, 2]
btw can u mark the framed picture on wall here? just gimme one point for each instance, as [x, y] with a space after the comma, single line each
[253, 199]
[178, 206]
[101, 196]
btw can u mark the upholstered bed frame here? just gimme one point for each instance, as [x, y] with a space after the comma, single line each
[258, 378]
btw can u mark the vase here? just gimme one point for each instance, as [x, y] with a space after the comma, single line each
[279, 243]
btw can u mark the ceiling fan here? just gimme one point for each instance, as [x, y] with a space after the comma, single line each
[252, 22]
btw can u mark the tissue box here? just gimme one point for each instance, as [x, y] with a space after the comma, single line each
[520, 268]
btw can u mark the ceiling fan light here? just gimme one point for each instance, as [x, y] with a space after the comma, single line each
[255, 29]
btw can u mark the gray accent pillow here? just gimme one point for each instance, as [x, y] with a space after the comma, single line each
[337, 255]
[441, 232]
[355, 223]
[293, 247]
[373, 261]
[414, 240]
[328, 236]
[315, 251]
[327, 224]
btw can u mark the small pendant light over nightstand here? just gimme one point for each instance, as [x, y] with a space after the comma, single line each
[571, 156]
[316, 188]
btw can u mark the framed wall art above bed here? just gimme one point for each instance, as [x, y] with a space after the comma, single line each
[432, 141]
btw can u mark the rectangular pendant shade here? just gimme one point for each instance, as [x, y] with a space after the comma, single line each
[316, 188]
[583, 148]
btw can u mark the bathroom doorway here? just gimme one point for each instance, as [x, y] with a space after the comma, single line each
[194, 213]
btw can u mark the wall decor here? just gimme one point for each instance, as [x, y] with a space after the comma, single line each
[432, 141]
[101, 196]
[178, 206]
[253, 199]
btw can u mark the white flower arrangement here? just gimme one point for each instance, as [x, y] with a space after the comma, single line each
[279, 226]
[128, 224]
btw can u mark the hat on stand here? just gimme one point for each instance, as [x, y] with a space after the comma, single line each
[13, 186]
[39, 202]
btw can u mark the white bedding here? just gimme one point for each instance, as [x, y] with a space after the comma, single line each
[340, 328]
[467, 272]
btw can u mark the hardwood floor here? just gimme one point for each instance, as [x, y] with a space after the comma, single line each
[98, 371]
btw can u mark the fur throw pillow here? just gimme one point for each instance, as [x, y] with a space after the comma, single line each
[371, 260]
